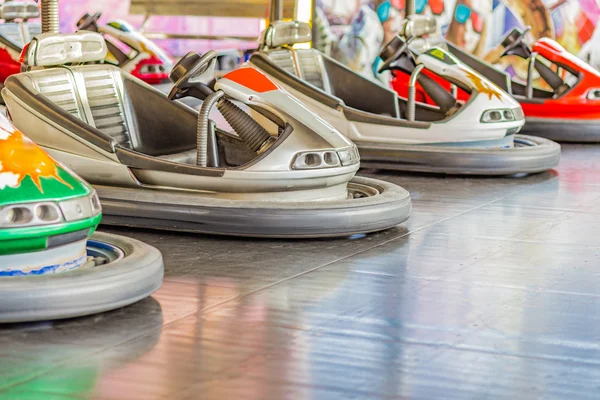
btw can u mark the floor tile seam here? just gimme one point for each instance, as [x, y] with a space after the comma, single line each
[292, 383]
[457, 346]
[511, 239]
[520, 288]
[547, 208]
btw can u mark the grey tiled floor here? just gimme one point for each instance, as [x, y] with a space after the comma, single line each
[491, 290]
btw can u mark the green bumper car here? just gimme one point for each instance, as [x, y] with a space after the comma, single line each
[52, 263]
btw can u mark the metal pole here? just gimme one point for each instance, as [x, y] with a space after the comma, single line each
[277, 10]
[50, 20]
[410, 8]
[412, 92]
[530, 75]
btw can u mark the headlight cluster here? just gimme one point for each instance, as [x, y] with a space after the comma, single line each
[326, 159]
[48, 213]
[593, 94]
[152, 69]
[494, 116]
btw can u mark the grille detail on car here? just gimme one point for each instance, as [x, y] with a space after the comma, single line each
[105, 105]
[310, 67]
[58, 87]
[284, 60]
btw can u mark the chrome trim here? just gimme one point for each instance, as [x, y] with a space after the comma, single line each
[410, 111]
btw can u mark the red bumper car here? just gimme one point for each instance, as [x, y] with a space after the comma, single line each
[568, 110]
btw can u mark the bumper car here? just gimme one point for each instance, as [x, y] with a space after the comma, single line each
[52, 264]
[131, 50]
[451, 137]
[569, 111]
[14, 33]
[157, 163]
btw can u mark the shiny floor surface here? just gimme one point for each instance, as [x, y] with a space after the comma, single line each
[490, 291]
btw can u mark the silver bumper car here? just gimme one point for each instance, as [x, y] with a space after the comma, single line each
[157, 163]
[479, 136]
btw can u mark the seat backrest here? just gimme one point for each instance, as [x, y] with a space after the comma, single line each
[92, 93]
[306, 64]
[12, 32]
[105, 97]
[17, 34]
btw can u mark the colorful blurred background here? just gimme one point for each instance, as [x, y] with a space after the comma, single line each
[476, 25]
[72, 10]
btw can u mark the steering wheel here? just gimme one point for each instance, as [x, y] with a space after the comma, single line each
[190, 66]
[513, 40]
[392, 51]
[89, 21]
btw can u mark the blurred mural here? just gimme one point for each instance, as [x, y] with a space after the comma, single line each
[72, 10]
[354, 30]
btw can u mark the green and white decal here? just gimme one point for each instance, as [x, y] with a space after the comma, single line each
[46, 211]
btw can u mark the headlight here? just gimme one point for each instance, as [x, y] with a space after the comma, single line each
[316, 160]
[494, 116]
[95, 201]
[593, 94]
[32, 214]
[349, 156]
[153, 69]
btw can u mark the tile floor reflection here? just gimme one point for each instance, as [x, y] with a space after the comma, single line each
[491, 290]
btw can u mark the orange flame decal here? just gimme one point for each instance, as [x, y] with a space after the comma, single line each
[482, 86]
[21, 157]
